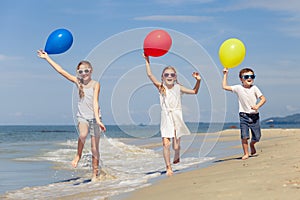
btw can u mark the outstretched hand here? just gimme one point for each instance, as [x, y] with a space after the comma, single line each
[42, 54]
[197, 76]
[225, 71]
[146, 57]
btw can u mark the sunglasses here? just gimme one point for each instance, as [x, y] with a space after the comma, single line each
[169, 74]
[85, 71]
[248, 76]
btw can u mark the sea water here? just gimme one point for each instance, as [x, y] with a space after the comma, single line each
[35, 161]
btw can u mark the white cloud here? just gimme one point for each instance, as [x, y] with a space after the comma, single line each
[5, 57]
[295, 18]
[291, 31]
[175, 18]
[290, 6]
[17, 114]
[274, 5]
[292, 108]
[179, 2]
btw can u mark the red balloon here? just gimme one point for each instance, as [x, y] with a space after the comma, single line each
[157, 43]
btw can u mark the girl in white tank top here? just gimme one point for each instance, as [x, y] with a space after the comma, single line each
[88, 114]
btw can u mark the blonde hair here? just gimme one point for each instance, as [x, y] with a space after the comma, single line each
[80, 81]
[162, 89]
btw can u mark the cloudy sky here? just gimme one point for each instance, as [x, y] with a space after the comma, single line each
[110, 34]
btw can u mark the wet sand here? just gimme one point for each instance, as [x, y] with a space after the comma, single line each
[274, 173]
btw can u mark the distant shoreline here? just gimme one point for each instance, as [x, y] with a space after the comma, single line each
[263, 123]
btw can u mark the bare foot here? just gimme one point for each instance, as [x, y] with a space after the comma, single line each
[245, 157]
[253, 150]
[176, 157]
[95, 173]
[94, 179]
[175, 161]
[75, 161]
[169, 171]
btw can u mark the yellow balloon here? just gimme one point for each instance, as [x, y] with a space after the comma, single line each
[232, 53]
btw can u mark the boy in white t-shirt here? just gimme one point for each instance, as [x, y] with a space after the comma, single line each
[248, 95]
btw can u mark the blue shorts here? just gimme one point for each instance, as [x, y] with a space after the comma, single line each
[94, 128]
[250, 121]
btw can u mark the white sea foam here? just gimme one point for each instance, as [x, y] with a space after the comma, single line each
[125, 168]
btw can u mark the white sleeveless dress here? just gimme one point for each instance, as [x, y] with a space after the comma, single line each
[171, 114]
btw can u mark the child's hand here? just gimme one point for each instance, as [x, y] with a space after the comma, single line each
[146, 57]
[197, 76]
[225, 71]
[42, 54]
[102, 126]
[254, 107]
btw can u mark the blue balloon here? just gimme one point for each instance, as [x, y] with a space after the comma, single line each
[59, 41]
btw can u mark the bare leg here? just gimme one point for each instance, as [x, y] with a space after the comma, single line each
[252, 148]
[96, 156]
[95, 163]
[176, 147]
[77, 157]
[83, 131]
[169, 170]
[166, 153]
[245, 148]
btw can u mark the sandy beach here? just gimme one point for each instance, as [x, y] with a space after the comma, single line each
[274, 173]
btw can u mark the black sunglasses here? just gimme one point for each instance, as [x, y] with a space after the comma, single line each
[171, 74]
[248, 76]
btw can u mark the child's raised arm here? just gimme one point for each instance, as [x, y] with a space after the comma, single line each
[185, 90]
[225, 86]
[57, 67]
[149, 72]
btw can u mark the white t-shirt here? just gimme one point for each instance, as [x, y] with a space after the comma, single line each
[247, 97]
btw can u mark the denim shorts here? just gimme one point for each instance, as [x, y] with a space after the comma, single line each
[250, 121]
[94, 128]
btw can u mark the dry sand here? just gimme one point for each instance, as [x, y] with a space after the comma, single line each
[273, 174]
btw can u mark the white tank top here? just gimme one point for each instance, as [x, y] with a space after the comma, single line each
[85, 104]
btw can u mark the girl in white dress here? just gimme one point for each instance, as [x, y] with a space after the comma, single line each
[172, 124]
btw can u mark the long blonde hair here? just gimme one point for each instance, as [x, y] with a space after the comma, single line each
[80, 81]
[162, 89]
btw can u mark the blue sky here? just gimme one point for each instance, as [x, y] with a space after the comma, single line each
[32, 93]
